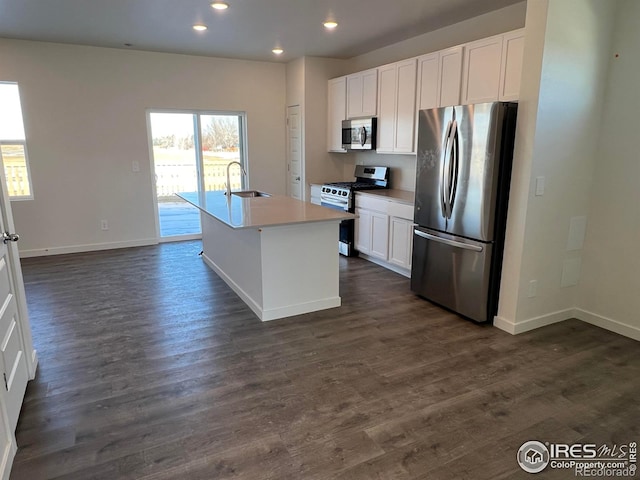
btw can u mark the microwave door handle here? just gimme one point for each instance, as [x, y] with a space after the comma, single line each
[363, 136]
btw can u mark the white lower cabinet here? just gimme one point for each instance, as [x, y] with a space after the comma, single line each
[383, 232]
[372, 233]
[379, 235]
[316, 191]
[363, 231]
[400, 242]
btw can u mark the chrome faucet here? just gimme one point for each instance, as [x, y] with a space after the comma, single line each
[228, 192]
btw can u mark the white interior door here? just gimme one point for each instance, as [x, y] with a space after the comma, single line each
[18, 360]
[294, 151]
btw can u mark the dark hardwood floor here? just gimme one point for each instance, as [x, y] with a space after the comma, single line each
[152, 368]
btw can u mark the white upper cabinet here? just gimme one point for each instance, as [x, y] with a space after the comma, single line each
[362, 94]
[481, 70]
[396, 107]
[387, 89]
[439, 78]
[511, 71]
[336, 113]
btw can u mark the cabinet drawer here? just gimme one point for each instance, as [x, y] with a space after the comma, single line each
[370, 203]
[400, 210]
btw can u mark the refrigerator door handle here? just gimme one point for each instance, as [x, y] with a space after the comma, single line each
[444, 183]
[446, 241]
[453, 171]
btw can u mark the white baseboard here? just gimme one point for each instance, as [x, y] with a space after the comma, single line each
[533, 323]
[610, 324]
[274, 313]
[389, 266]
[6, 462]
[253, 305]
[300, 308]
[92, 247]
[34, 364]
[621, 328]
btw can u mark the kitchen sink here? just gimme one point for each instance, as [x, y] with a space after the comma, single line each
[250, 193]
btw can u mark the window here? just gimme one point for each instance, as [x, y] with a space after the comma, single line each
[13, 146]
[191, 151]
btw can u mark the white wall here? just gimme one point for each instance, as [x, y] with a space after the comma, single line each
[610, 280]
[482, 26]
[321, 166]
[84, 112]
[307, 79]
[557, 139]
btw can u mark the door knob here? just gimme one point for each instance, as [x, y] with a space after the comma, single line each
[298, 179]
[10, 237]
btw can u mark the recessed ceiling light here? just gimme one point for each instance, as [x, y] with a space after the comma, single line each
[220, 5]
[277, 51]
[200, 28]
[330, 25]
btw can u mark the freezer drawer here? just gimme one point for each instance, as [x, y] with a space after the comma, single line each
[453, 272]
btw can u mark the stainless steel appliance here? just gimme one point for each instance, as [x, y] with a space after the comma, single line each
[462, 190]
[340, 195]
[359, 133]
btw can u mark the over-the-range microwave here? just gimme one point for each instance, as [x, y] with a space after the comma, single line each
[359, 133]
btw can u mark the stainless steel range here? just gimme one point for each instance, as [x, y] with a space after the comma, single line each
[340, 195]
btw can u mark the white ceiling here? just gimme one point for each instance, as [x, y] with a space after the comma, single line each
[249, 29]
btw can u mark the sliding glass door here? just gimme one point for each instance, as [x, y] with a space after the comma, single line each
[191, 151]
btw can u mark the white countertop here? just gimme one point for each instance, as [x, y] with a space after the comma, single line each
[402, 196]
[260, 212]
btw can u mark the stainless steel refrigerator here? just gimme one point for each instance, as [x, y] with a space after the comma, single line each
[462, 191]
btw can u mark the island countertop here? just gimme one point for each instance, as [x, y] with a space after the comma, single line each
[257, 212]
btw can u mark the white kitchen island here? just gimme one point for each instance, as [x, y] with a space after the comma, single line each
[280, 255]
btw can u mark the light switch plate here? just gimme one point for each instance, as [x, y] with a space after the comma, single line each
[539, 186]
[135, 166]
[577, 231]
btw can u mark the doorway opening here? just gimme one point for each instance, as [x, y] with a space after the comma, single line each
[191, 151]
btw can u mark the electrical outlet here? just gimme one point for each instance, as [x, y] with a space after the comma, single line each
[135, 166]
[104, 225]
[539, 186]
[533, 289]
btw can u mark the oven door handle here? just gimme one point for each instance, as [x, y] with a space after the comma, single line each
[343, 207]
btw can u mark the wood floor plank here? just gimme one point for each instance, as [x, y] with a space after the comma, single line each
[152, 368]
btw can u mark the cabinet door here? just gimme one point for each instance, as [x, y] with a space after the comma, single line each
[481, 70]
[512, 52]
[428, 81]
[450, 73]
[363, 231]
[439, 78]
[354, 95]
[400, 242]
[405, 107]
[362, 94]
[336, 113]
[387, 92]
[379, 235]
[370, 93]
